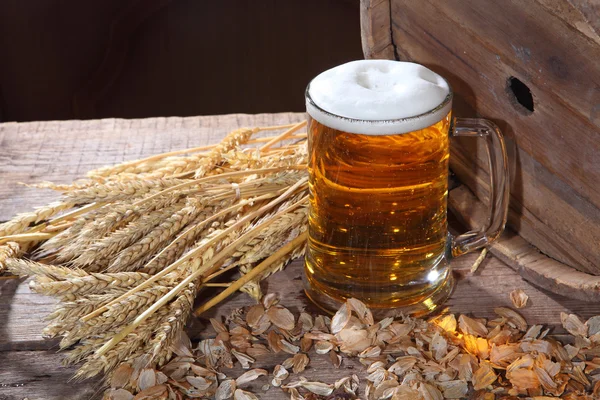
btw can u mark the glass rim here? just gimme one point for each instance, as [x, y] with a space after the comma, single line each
[443, 104]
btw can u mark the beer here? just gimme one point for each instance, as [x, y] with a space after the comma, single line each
[378, 213]
[378, 187]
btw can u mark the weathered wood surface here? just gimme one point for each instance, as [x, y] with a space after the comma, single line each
[523, 257]
[63, 151]
[375, 29]
[552, 46]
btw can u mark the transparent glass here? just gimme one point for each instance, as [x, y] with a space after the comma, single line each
[378, 205]
[499, 184]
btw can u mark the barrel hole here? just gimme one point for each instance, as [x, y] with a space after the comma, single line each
[520, 93]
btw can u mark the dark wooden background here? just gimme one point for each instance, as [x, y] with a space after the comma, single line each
[71, 59]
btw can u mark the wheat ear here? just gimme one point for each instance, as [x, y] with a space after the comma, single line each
[254, 273]
[195, 275]
[193, 253]
[161, 233]
[132, 346]
[23, 267]
[117, 314]
[22, 222]
[205, 162]
[87, 284]
[104, 249]
[8, 251]
[118, 190]
[172, 325]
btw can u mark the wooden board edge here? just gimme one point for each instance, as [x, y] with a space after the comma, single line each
[523, 257]
[544, 237]
[375, 26]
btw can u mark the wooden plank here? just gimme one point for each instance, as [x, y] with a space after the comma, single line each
[109, 141]
[527, 260]
[552, 47]
[376, 33]
[48, 379]
[40, 375]
[476, 294]
[578, 248]
[581, 15]
[61, 151]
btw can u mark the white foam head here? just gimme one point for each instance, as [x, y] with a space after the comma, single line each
[378, 97]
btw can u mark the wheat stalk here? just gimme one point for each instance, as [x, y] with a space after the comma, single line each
[22, 222]
[199, 271]
[160, 229]
[135, 166]
[205, 162]
[118, 190]
[8, 251]
[162, 232]
[87, 284]
[275, 258]
[203, 247]
[97, 254]
[283, 136]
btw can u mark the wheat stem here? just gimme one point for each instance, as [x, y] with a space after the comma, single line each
[211, 242]
[479, 260]
[275, 127]
[27, 237]
[71, 214]
[255, 272]
[193, 276]
[58, 228]
[283, 136]
[220, 272]
[196, 251]
[205, 222]
[225, 284]
[218, 177]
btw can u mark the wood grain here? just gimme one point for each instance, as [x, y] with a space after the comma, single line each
[581, 15]
[38, 375]
[475, 294]
[30, 366]
[527, 202]
[61, 151]
[524, 258]
[552, 47]
[376, 33]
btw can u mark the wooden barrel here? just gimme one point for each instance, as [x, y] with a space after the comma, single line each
[534, 68]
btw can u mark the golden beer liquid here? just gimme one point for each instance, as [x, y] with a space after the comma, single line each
[377, 227]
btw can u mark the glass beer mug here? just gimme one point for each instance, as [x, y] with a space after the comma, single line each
[378, 141]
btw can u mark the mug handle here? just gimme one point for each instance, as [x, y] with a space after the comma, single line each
[499, 184]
